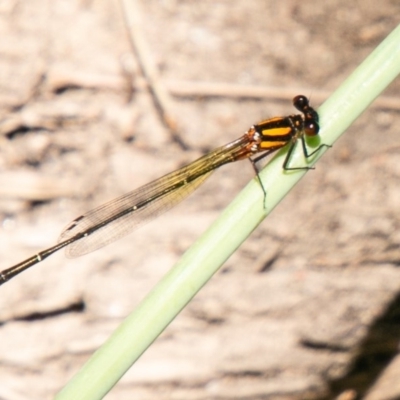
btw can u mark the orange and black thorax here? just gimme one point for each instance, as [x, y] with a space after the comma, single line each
[275, 133]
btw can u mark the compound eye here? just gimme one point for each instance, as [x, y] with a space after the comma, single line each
[311, 128]
[300, 102]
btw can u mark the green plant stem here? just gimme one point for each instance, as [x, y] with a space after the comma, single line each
[107, 365]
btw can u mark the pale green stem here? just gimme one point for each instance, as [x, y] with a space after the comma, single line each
[108, 364]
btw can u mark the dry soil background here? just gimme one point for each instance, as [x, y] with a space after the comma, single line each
[307, 308]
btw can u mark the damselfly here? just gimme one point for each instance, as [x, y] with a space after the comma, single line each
[120, 216]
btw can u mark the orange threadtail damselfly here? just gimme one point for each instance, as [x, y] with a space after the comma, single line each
[120, 216]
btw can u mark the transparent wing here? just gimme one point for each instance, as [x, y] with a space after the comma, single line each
[120, 216]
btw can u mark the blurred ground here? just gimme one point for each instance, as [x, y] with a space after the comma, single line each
[308, 307]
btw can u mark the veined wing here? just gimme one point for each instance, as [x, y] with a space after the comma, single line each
[120, 216]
